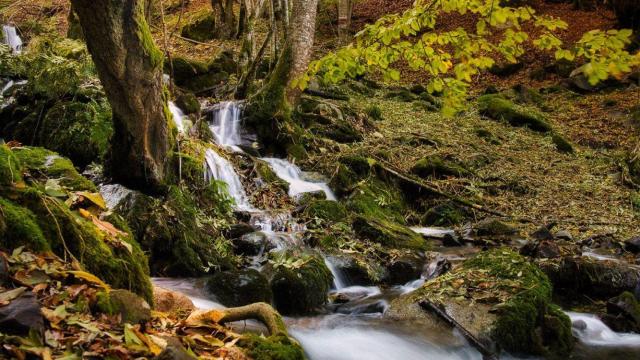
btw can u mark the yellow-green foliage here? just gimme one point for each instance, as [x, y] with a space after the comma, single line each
[453, 57]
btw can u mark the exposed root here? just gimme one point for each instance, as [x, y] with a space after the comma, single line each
[262, 312]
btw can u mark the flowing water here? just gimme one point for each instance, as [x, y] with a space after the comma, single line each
[178, 116]
[295, 177]
[220, 169]
[226, 126]
[12, 38]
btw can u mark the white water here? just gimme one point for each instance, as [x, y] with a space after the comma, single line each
[597, 333]
[186, 287]
[295, 177]
[433, 232]
[339, 281]
[12, 38]
[226, 126]
[219, 168]
[178, 116]
[113, 194]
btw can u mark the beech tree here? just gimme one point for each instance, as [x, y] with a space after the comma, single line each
[130, 68]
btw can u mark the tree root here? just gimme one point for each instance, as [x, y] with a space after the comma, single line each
[262, 312]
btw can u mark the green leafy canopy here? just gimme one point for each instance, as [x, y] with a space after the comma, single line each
[453, 57]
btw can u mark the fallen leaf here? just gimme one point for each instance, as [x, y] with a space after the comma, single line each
[53, 188]
[94, 198]
[90, 278]
[7, 296]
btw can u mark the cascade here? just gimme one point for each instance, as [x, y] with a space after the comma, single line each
[178, 116]
[295, 177]
[12, 38]
[339, 281]
[592, 331]
[226, 126]
[219, 168]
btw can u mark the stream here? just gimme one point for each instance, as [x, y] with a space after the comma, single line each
[356, 327]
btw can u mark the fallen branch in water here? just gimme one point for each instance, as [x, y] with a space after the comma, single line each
[487, 354]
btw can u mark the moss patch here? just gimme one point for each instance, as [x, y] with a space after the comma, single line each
[499, 108]
[20, 228]
[388, 233]
[435, 166]
[202, 28]
[278, 347]
[45, 164]
[10, 170]
[326, 210]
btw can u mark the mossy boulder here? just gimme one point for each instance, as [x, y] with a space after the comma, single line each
[188, 103]
[343, 180]
[563, 145]
[436, 166]
[498, 108]
[374, 112]
[377, 199]
[326, 210]
[300, 286]
[193, 75]
[131, 308]
[240, 287]
[201, 28]
[10, 169]
[341, 131]
[446, 214]
[275, 347]
[501, 299]
[623, 313]
[388, 233]
[20, 228]
[44, 164]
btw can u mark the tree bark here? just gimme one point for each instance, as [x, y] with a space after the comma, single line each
[345, 8]
[130, 68]
[225, 19]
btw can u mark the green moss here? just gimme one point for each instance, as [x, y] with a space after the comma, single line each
[376, 199]
[401, 95]
[498, 108]
[341, 131]
[447, 214]
[562, 144]
[374, 112]
[326, 210]
[10, 169]
[488, 136]
[358, 164]
[344, 180]
[277, 347]
[155, 57]
[436, 166]
[240, 287]
[388, 233]
[202, 28]
[297, 151]
[189, 103]
[184, 69]
[46, 164]
[300, 288]
[20, 228]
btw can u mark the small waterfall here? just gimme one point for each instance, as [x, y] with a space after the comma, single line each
[12, 38]
[294, 176]
[178, 116]
[339, 281]
[592, 331]
[219, 168]
[226, 127]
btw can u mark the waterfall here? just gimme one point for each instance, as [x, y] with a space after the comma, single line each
[592, 331]
[219, 168]
[178, 116]
[226, 125]
[339, 281]
[294, 176]
[12, 38]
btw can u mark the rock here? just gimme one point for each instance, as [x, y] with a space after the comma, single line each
[171, 301]
[189, 103]
[21, 316]
[401, 95]
[303, 289]
[494, 227]
[326, 210]
[562, 144]
[309, 197]
[564, 235]
[436, 266]
[446, 214]
[240, 287]
[435, 166]
[131, 308]
[498, 108]
[526, 323]
[174, 351]
[388, 233]
[368, 306]
[252, 244]
[4, 265]
[202, 28]
[507, 69]
[451, 240]
[404, 269]
[598, 279]
[547, 249]
[238, 230]
[543, 233]
[623, 313]
[632, 244]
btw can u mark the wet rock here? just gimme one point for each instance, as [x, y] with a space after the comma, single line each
[303, 289]
[388, 233]
[495, 227]
[253, 244]
[543, 233]
[598, 279]
[171, 301]
[355, 272]
[623, 313]
[21, 316]
[189, 103]
[564, 235]
[308, 197]
[240, 287]
[404, 269]
[436, 266]
[238, 230]
[545, 249]
[367, 306]
[452, 240]
[633, 244]
[4, 265]
[131, 308]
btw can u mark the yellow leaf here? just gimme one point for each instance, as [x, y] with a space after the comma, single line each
[90, 278]
[94, 198]
[84, 213]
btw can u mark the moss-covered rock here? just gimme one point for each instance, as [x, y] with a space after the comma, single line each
[326, 210]
[374, 112]
[45, 164]
[376, 199]
[201, 28]
[300, 286]
[343, 180]
[10, 169]
[276, 347]
[188, 103]
[562, 144]
[341, 131]
[131, 308]
[446, 214]
[500, 298]
[20, 228]
[240, 287]
[388, 233]
[498, 108]
[436, 166]
[194, 75]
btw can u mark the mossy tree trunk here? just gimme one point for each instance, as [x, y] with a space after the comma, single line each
[226, 26]
[74, 31]
[130, 68]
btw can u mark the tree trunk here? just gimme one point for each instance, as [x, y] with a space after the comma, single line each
[345, 8]
[225, 19]
[130, 69]
[74, 30]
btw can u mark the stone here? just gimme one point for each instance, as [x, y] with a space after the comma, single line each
[388, 233]
[174, 351]
[623, 313]
[353, 271]
[238, 230]
[495, 227]
[21, 316]
[543, 233]
[547, 249]
[171, 302]
[240, 287]
[253, 244]
[564, 235]
[404, 269]
[632, 244]
[131, 308]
